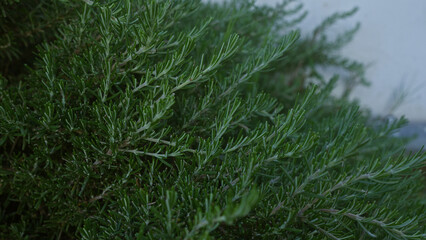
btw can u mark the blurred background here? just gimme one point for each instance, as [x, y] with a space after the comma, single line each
[392, 41]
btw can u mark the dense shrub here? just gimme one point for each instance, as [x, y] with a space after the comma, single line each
[187, 120]
[23, 25]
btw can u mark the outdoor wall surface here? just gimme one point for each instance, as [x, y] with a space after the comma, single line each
[392, 40]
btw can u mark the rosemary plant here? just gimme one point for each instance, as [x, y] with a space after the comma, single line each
[157, 119]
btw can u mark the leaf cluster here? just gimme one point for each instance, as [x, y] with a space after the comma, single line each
[156, 120]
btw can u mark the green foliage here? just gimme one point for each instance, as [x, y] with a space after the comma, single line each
[189, 120]
[23, 25]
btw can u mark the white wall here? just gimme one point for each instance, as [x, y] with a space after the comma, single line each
[392, 39]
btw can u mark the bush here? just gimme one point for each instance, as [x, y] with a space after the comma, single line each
[23, 25]
[189, 120]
